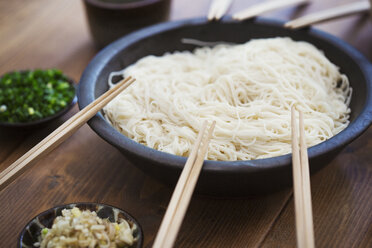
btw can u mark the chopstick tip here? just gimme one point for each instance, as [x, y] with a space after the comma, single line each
[213, 123]
[236, 17]
[289, 25]
[293, 108]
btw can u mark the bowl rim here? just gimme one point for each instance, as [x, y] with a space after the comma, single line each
[162, 159]
[35, 123]
[128, 215]
[121, 6]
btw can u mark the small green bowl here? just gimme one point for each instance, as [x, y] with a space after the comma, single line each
[31, 232]
[43, 121]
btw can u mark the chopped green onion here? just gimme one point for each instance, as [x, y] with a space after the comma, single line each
[3, 108]
[44, 231]
[31, 111]
[32, 95]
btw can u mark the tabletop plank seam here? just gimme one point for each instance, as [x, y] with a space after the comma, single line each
[282, 209]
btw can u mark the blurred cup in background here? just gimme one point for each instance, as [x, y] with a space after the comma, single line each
[111, 19]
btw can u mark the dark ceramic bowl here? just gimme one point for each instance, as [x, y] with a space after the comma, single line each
[41, 122]
[108, 20]
[31, 232]
[225, 178]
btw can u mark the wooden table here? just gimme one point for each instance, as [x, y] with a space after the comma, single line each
[45, 33]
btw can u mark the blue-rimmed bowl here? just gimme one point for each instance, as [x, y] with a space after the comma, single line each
[31, 232]
[228, 178]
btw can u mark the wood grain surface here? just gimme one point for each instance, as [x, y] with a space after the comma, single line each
[45, 34]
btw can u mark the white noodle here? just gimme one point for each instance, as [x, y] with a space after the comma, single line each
[248, 89]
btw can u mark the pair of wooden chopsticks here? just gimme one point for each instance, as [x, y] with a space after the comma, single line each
[180, 200]
[219, 8]
[61, 133]
[301, 183]
[329, 14]
[265, 7]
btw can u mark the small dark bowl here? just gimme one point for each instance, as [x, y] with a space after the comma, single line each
[109, 21]
[226, 178]
[31, 231]
[42, 122]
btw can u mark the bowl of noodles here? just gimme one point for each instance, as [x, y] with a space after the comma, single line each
[244, 75]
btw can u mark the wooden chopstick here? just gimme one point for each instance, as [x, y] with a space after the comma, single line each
[297, 185]
[167, 219]
[301, 183]
[306, 189]
[265, 7]
[329, 14]
[218, 9]
[181, 196]
[61, 133]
